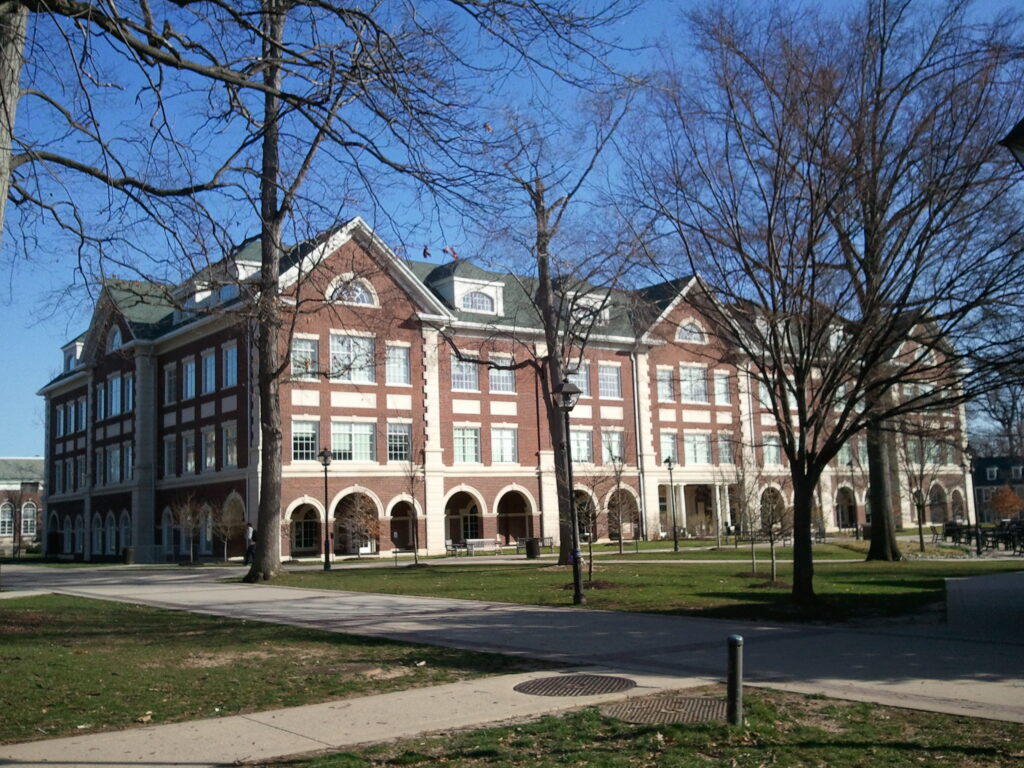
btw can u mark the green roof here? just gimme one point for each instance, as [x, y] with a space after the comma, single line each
[21, 470]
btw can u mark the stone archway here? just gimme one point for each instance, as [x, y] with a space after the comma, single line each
[773, 508]
[590, 520]
[515, 518]
[401, 534]
[305, 532]
[938, 511]
[356, 525]
[623, 515]
[846, 508]
[463, 518]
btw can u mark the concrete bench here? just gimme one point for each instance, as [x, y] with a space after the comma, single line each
[482, 545]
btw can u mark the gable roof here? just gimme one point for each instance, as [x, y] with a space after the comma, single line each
[18, 470]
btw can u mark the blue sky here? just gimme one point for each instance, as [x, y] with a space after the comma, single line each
[38, 318]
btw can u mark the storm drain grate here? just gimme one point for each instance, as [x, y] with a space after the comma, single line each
[575, 685]
[674, 709]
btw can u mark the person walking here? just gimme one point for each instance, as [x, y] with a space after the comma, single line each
[250, 544]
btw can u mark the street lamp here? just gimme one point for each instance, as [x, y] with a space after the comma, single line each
[669, 463]
[325, 459]
[568, 394]
[1014, 141]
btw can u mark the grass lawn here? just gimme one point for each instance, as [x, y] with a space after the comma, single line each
[78, 666]
[719, 590]
[780, 730]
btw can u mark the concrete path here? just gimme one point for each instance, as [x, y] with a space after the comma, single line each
[973, 665]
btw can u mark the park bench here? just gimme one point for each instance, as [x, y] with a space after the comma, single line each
[482, 545]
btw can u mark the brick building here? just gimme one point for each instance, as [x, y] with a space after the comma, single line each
[21, 509]
[416, 377]
[990, 473]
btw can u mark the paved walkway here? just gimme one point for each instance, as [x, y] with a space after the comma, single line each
[973, 665]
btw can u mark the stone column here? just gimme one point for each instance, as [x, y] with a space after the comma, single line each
[433, 457]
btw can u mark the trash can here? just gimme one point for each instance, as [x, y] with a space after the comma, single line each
[128, 555]
[532, 549]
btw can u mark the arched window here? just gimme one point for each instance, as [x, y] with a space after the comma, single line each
[111, 531]
[114, 339]
[126, 529]
[691, 333]
[97, 535]
[79, 534]
[167, 532]
[68, 531]
[353, 290]
[206, 533]
[6, 519]
[28, 518]
[306, 532]
[478, 301]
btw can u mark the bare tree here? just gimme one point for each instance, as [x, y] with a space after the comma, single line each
[189, 517]
[358, 519]
[776, 523]
[835, 182]
[225, 525]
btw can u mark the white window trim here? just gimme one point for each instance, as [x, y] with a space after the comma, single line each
[700, 327]
[351, 277]
[401, 345]
[707, 388]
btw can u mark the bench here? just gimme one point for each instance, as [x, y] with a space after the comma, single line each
[482, 545]
[453, 548]
[545, 541]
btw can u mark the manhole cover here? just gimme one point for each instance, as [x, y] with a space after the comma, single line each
[575, 685]
[674, 709]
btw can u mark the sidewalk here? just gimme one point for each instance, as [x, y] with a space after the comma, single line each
[318, 727]
[972, 666]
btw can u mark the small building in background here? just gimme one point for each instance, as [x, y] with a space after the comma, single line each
[21, 510]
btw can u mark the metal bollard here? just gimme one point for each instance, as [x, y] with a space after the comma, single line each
[735, 706]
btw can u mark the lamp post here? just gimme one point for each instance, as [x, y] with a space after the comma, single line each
[325, 459]
[669, 463]
[568, 394]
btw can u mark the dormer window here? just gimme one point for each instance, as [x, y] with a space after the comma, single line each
[353, 290]
[69, 360]
[691, 333]
[114, 340]
[478, 301]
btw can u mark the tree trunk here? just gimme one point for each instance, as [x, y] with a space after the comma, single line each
[883, 529]
[267, 561]
[803, 558]
[13, 22]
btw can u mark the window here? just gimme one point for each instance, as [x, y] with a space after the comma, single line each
[209, 372]
[666, 387]
[723, 388]
[478, 301]
[862, 451]
[502, 379]
[845, 456]
[188, 379]
[725, 454]
[230, 362]
[188, 452]
[504, 445]
[28, 519]
[465, 375]
[691, 333]
[991, 473]
[467, 445]
[6, 519]
[229, 442]
[58, 419]
[228, 291]
[100, 464]
[101, 402]
[307, 531]
[613, 446]
[114, 464]
[69, 360]
[399, 442]
[69, 418]
[83, 411]
[697, 448]
[396, 365]
[170, 384]
[693, 384]
[114, 341]
[352, 441]
[1016, 472]
[668, 446]
[81, 472]
[209, 449]
[986, 494]
[305, 439]
[170, 468]
[129, 392]
[305, 359]
[771, 449]
[609, 383]
[353, 290]
[128, 452]
[581, 378]
[115, 395]
[582, 442]
[352, 359]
